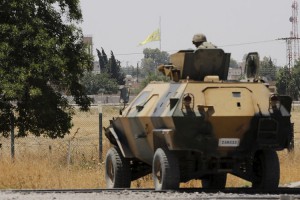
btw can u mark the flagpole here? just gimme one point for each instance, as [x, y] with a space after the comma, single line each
[160, 33]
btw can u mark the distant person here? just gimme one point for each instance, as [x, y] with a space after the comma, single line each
[199, 40]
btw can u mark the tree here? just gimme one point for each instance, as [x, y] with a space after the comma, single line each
[153, 58]
[41, 54]
[98, 83]
[296, 78]
[131, 70]
[101, 64]
[102, 60]
[148, 67]
[267, 69]
[282, 81]
[153, 77]
[288, 81]
[115, 69]
[111, 66]
[233, 63]
[104, 57]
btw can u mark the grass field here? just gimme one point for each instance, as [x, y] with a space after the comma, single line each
[32, 170]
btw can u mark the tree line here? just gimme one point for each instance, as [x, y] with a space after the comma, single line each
[112, 74]
[286, 80]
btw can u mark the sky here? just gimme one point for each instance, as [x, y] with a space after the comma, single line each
[237, 26]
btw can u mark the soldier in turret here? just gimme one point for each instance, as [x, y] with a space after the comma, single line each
[199, 40]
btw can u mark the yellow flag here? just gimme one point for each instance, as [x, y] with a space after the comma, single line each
[155, 36]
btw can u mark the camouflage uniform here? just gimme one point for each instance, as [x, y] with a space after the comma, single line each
[206, 45]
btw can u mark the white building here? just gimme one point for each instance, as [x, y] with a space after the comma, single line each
[235, 73]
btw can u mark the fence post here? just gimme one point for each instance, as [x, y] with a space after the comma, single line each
[69, 153]
[100, 132]
[12, 137]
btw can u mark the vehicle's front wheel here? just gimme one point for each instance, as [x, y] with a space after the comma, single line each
[266, 170]
[165, 169]
[117, 170]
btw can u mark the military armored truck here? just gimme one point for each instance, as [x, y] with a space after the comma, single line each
[200, 126]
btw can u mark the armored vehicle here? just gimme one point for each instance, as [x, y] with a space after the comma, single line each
[200, 126]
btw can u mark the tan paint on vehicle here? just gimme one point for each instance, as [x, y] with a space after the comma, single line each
[211, 123]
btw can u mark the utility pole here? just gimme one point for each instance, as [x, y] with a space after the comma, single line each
[291, 55]
[294, 32]
[292, 43]
[137, 72]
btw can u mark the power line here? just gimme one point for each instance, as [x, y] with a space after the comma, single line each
[227, 45]
[127, 54]
[247, 43]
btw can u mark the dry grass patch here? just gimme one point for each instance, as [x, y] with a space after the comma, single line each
[42, 173]
[34, 170]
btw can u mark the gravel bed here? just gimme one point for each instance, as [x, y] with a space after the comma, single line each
[129, 195]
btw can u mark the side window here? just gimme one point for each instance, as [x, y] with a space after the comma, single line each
[141, 99]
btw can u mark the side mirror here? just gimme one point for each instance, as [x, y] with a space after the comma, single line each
[252, 65]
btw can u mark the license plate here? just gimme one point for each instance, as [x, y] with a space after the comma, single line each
[229, 142]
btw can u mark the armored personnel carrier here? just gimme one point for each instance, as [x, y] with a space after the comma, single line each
[200, 126]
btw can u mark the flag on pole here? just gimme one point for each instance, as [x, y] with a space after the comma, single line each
[155, 36]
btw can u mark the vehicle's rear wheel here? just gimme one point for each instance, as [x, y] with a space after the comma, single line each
[117, 170]
[214, 181]
[165, 170]
[266, 170]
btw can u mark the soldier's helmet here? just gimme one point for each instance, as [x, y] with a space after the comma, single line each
[199, 37]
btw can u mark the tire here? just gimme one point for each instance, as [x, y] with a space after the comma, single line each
[214, 181]
[165, 170]
[266, 170]
[117, 170]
